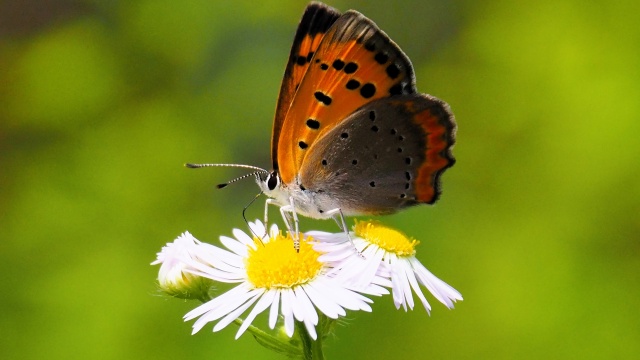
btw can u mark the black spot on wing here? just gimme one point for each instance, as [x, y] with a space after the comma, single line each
[313, 124]
[396, 89]
[321, 97]
[353, 84]
[393, 71]
[370, 46]
[350, 68]
[300, 60]
[368, 90]
[381, 58]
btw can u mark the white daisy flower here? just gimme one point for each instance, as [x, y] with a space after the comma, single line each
[387, 253]
[271, 275]
[174, 277]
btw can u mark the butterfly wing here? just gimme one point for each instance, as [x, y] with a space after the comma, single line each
[315, 22]
[354, 64]
[387, 155]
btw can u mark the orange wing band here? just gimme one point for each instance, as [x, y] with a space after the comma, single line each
[440, 139]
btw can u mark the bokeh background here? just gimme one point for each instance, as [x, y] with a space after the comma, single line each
[101, 103]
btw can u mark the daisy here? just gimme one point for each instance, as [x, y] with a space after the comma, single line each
[174, 276]
[271, 275]
[385, 252]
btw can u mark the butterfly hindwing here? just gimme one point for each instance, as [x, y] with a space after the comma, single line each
[387, 155]
[315, 22]
[355, 63]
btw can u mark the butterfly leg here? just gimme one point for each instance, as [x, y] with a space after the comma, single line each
[338, 217]
[290, 216]
[266, 211]
[266, 214]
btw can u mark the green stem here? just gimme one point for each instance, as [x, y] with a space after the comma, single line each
[317, 348]
[269, 340]
[311, 349]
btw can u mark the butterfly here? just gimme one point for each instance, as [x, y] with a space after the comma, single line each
[351, 134]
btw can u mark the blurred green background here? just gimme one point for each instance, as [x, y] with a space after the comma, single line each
[101, 103]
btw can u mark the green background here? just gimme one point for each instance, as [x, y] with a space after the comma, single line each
[101, 102]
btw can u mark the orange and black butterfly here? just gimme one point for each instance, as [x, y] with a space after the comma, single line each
[351, 134]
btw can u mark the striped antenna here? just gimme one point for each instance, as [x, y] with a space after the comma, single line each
[257, 171]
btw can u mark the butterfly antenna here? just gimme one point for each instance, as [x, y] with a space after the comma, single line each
[197, 166]
[244, 216]
[220, 186]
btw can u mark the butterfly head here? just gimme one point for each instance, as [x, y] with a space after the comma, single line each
[268, 181]
[271, 185]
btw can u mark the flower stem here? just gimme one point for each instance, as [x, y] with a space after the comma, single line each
[316, 349]
[311, 349]
[270, 341]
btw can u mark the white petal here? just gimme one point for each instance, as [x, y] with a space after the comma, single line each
[440, 290]
[371, 265]
[306, 305]
[242, 237]
[258, 229]
[351, 272]
[228, 274]
[287, 314]
[295, 305]
[333, 252]
[273, 230]
[265, 301]
[310, 315]
[237, 312]
[234, 245]
[396, 291]
[375, 290]
[219, 307]
[311, 329]
[328, 307]
[411, 277]
[273, 312]
[399, 272]
[343, 297]
[217, 275]
[218, 257]
[324, 236]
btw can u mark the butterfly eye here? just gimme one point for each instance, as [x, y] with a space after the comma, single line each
[272, 181]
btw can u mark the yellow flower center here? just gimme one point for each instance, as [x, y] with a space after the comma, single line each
[386, 238]
[276, 264]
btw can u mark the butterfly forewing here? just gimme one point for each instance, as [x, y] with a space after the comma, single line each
[354, 64]
[386, 156]
[315, 22]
